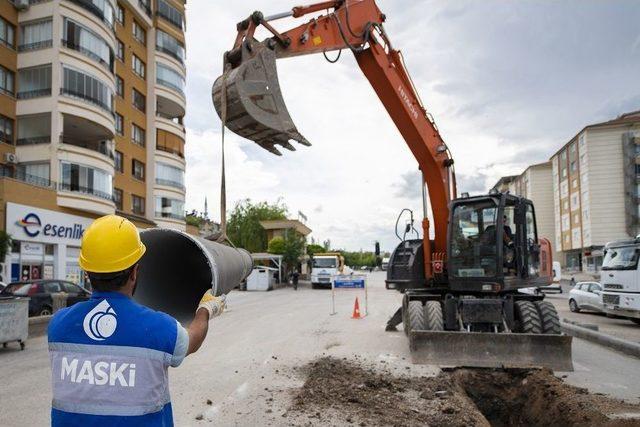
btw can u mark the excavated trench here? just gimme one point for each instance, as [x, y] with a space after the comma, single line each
[341, 392]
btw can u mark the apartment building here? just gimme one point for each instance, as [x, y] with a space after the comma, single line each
[596, 190]
[535, 184]
[91, 123]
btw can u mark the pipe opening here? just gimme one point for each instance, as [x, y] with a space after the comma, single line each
[174, 273]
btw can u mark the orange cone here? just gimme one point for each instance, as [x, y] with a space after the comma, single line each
[356, 310]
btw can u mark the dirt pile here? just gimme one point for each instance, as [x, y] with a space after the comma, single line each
[341, 392]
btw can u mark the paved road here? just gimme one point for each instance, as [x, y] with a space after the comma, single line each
[246, 367]
[621, 328]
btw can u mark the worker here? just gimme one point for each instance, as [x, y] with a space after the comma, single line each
[110, 355]
[295, 277]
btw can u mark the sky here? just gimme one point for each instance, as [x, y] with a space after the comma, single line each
[508, 82]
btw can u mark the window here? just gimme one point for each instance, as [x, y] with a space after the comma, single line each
[474, 237]
[6, 129]
[7, 33]
[117, 198]
[139, 33]
[35, 173]
[119, 161]
[139, 101]
[120, 14]
[35, 35]
[169, 208]
[120, 50]
[103, 9]
[566, 225]
[7, 81]
[119, 86]
[34, 82]
[137, 169]
[169, 175]
[166, 76]
[574, 183]
[137, 204]
[137, 135]
[119, 124]
[138, 66]
[85, 41]
[171, 14]
[581, 140]
[564, 189]
[565, 205]
[168, 44]
[86, 87]
[574, 166]
[85, 179]
[575, 202]
[34, 129]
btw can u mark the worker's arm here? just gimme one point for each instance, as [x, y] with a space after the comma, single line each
[210, 306]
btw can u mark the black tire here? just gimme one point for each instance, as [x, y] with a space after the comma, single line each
[549, 318]
[636, 321]
[45, 310]
[417, 321]
[527, 318]
[573, 306]
[433, 316]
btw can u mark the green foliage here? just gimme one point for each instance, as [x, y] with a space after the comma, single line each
[313, 249]
[193, 220]
[276, 246]
[243, 226]
[359, 259]
[5, 244]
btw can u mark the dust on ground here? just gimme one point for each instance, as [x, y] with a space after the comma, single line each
[347, 392]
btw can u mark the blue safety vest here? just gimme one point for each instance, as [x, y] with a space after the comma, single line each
[109, 360]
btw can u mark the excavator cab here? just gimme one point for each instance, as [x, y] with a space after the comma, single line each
[494, 245]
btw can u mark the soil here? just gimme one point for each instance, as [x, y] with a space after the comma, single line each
[347, 392]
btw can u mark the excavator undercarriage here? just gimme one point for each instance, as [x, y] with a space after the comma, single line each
[462, 304]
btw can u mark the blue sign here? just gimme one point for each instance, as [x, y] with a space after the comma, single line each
[341, 283]
[31, 224]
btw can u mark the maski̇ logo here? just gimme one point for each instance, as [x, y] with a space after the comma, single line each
[100, 323]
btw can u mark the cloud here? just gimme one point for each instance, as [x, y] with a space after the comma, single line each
[508, 83]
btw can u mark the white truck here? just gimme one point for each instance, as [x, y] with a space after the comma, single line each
[620, 279]
[324, 267]
[385, 263]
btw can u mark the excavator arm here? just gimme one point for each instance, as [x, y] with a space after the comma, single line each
[248, 98]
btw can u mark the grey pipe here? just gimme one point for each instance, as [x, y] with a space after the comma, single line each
[178, 269]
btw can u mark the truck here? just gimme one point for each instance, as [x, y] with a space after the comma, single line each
[385, 263]
[620, 279]
[324, 267]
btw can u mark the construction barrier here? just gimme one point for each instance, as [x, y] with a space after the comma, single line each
[350, 282]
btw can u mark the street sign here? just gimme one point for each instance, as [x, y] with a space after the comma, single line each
[352, 281]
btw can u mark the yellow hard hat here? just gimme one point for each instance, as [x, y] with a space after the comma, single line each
[111, 244]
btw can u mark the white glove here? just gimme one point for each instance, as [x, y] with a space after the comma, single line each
[214, 305]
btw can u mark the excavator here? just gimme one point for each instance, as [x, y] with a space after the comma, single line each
[462, 304]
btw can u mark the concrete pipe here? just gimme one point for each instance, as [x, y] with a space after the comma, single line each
[178, 268]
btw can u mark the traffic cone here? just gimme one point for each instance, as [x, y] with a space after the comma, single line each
[356, 310]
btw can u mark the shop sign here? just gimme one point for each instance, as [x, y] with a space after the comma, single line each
[31, 249]
[45, 226]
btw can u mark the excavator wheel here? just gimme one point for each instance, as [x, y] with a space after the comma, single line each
[433, 316]
[416, 317]
[548, 317]
[527, 318]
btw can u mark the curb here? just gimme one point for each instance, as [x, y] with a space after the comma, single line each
[627, 347]
[38, 326]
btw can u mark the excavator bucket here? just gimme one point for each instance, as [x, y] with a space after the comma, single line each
[491, 350]
[255, 107]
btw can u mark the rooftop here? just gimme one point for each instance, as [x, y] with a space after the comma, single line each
[285, 224]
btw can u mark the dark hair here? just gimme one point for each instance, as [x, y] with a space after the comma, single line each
[107, 282]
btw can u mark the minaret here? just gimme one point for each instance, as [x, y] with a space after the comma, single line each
[206, 208]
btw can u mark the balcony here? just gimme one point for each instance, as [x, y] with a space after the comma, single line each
[171, 150]
[144, 4]
[84, 133]
[89, 54]
[169, 183]
[19, 175]
[101, 10]
[44, 44]
[85, 190]
[33, 140]
[30, 94]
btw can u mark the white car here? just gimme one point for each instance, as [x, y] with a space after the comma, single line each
[586, 296]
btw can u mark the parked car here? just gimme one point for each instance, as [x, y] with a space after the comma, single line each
[586, 296]
[2, 286]
[41, 303]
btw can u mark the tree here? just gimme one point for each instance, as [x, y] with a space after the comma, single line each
[313, 249]
[243, 226]
[291, 247]
[5, 244]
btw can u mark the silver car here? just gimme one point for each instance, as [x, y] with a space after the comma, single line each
[586, 296]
